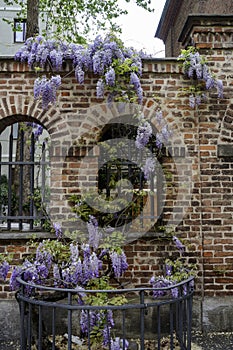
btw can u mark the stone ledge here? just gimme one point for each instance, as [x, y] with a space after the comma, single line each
[12, 235]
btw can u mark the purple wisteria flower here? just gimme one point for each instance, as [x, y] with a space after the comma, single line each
[47, 89]
[74, 253]
[168, 270]
[4, 269]
[195, 67]
[119, 263]
[14, 284]
[175, 292]
[149, 167]
[159, 284]
[192, 101]
[56, 57]
[159, 118]
[219, 85]
[110, 77]
[100, 88]
[95, 234]
[58, 230]
[163, 136]
[79, 74]
[144, 133]
[119, 344]
[38, 130]
[178, 244]
[99, 58]
[43, 256]
[135, 81]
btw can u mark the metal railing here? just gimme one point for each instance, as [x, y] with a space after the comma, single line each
[48, 312]
[24, 171]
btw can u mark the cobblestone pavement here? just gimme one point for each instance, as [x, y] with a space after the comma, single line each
[210, 341]
[214, 341]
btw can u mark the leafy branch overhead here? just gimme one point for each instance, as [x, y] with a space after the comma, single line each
[73, 20]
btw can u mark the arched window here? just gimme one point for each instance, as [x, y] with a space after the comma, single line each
[24, 177]
[120, 159]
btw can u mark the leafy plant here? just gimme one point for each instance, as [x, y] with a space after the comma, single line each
[196, 68]
[74, 20]
[176, 271]
[3, 190]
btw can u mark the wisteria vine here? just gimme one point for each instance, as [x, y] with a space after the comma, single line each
[196, 68]
[79, 266]
[175, 272]
[118, 68]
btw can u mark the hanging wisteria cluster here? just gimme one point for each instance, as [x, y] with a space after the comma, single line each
[118, 68]
[144, 135]
[196, 68]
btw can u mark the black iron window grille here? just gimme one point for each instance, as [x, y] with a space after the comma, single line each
[119, 160]
[24, 178]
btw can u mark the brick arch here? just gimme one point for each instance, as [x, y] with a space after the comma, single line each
[16, 108]
[100, 114]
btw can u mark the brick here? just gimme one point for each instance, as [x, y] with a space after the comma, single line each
[209, 210]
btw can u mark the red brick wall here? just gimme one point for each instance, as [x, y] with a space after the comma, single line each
[207, 223]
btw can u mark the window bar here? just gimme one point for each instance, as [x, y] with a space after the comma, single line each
[130, 178]
[180, 321]
[21, 157]
[184, 312]
[159, 326]
[171, 307]
[40, 328]
[43, 184]
[23, 315]
[142, 319]
[130, 175]
[141, 188]
[160, 190]
[32, 167]
[151, 195]
[189, 321]
[123, 329]
[29, 325]
[108, 170]
[9, 211]
[69, 322]
[54, 328]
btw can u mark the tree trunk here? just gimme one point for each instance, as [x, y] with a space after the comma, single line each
[32, 18]
[23, 153]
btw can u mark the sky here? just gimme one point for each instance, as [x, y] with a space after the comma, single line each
[139, 27]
